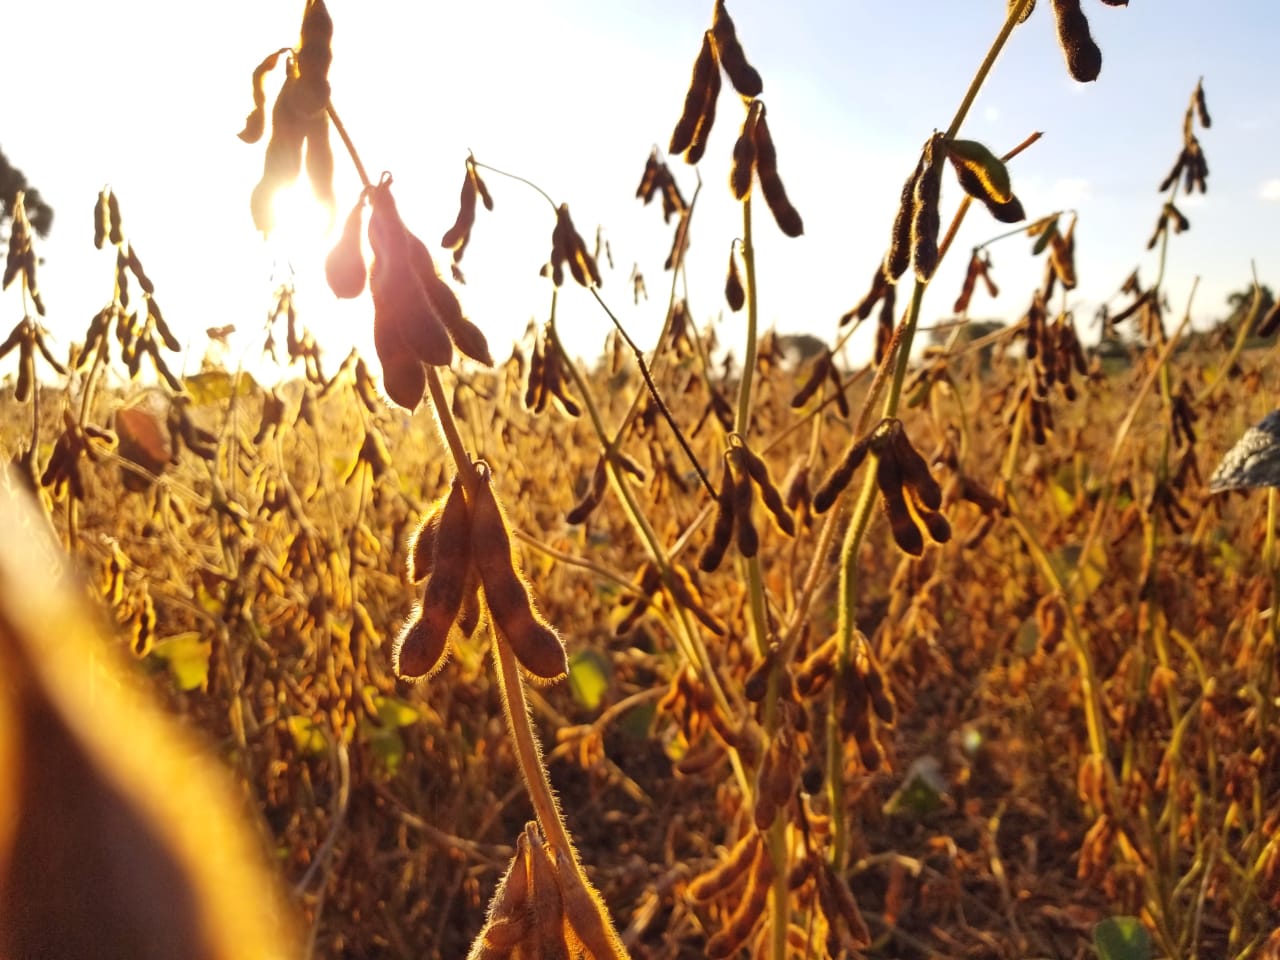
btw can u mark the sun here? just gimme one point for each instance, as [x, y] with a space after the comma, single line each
[305, 229]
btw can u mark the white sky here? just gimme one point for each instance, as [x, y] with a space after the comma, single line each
[147, 96]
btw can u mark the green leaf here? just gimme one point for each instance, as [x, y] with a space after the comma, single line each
[1122, 938]
[988, 170]
[187, 655]
[394, 713]
[388, 749]
[1043, 230]
[213, 386]
[922, 790]
[588, 678]
[308, 736]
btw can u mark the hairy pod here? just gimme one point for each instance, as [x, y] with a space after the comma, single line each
[839, 476]
[546, 906]
[282, 161]
[703, 85]
[716, 881]
[255, 122]
[925, 214]
[421, 649]
[743, 500]
[743, 169]
[456, 236]
[1202, 108]
[795, 486]
[466, 336]
[686, 595]
[1084, 59]
[880, 288]
[100, 220]
[722, 526]
[877, 691]
[536, 645]
[749, 910]
[775, 195]
[756, 686]
[905, 532]
[573, 249]
[970, 280]
[734, 293]
[744, 77]
[898, 257]
[914, 470]
[409, 327]
[594, 495]
[422, 545]
[759, 473]
[817, 374]
[587, 917]
[344, 267]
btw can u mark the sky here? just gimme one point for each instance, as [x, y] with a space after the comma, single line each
[146, 96]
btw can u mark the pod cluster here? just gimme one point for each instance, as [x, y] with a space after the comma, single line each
[458, 236]
[657, 180]
[743, 474]
[299, 117]
[754, 154]
[979, 269]
[417, 318]
[542, 909]
[569, 249]
[756, 158]
[822, 371]
[1084, 59]
[910, 496]
[462, 550]
[1191, 165]
[547, 378]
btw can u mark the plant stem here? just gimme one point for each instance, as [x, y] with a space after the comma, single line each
[861, 517]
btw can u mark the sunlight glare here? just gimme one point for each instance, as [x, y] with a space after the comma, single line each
[304, 228]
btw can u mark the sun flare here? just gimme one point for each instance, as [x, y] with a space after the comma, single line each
[305, 228]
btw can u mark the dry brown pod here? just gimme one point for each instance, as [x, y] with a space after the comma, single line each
[466, 336]
[742, 171]
[734, 293]
[722, 526]
[703, 86]
[818, 373]
[840, 475]
[344, 267]
[744, 77]
[594, 494]
[926, 214]
[898, 257]
[1084, 59]
[905, 532]
[534, 642]
[745, 532]
[749, 909]
[725, 874]
[772, 497]
[784, 212]
[422, 647]
[456, 236]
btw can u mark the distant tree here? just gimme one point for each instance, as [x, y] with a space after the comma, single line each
[969, 331]
[12, 182]
[1240, 302]
[801, 347]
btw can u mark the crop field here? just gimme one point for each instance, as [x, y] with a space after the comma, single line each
[710, 650]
